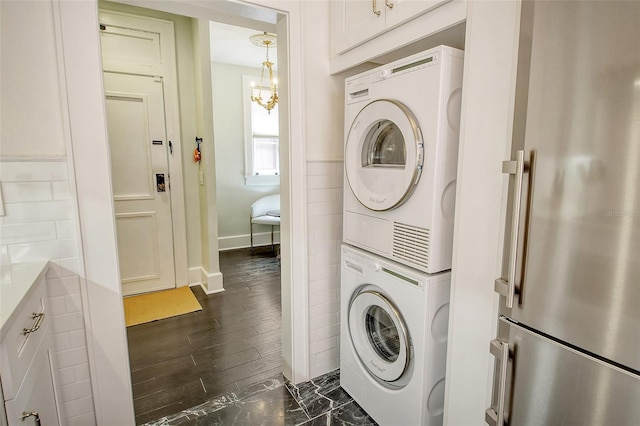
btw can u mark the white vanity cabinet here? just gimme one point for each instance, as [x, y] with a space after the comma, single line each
[356, 21]
[26, 343]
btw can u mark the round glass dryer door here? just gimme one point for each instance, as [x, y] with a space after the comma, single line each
[379, 336]
[384, 155]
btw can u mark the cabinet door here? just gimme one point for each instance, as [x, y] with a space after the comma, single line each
[36, 395]
[354, 22]
[401, 11]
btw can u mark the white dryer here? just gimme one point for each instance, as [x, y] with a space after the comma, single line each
[393, 338]
[401, 152]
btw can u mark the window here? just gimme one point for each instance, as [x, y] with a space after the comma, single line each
[262, 143]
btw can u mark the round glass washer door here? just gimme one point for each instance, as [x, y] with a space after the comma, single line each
[379, 336]
[384, 155]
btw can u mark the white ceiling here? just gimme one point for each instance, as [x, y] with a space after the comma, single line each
[231, 45]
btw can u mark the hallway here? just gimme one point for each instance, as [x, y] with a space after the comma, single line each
[234, 342]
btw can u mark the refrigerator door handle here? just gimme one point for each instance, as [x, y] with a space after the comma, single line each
[500, 350]
[506, 287]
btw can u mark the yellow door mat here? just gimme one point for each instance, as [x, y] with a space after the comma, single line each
[159, 305]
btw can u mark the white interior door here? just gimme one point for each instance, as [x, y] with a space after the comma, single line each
[140, 179]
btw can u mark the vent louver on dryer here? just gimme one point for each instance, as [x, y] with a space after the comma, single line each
[411, 244]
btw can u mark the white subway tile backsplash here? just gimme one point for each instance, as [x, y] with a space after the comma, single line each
[68, 322]
[16, 233]
[73, 303]
[40, 211]
[60, 268]
[323, 309]
[63, 286]
[323, 259]
[78, 338]
[57, 305]
[323, 247]
[324, 344]
[66, 376]
[322, 297]
[325, 356]
[42, 250]
[329, 181]
[82, 371]
[33, 171]
[21, 192]
[324, 332]
[79, 407]
[324, 168]
[333, 221]
[71, 357]
[62, 341]
[324, 206]
[320, 368]
[60, 190]
[88, 419]
[320, 272]
[77, 390]
[324, 194]
[65, 229]
[328, 320]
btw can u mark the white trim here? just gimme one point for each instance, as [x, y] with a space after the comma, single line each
[243, 241]
[211, 282]
[88, 151]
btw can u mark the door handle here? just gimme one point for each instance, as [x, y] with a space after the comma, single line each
[375, 10]
[388, 4]
[26, 414]
[38, 317]
[507, 286]
[500, 350]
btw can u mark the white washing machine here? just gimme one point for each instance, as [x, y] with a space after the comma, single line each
[393, 338]
[401, 152]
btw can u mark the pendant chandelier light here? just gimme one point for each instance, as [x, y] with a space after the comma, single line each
[265, 40]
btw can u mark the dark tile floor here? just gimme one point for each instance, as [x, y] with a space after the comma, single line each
[320, 401]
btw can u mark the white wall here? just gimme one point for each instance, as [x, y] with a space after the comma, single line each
[234, 196]
[30, 101]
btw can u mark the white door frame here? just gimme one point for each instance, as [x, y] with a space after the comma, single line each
[167, 70]
[78, 45]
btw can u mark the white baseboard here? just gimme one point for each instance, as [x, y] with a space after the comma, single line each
[243, 241]
[211, 282]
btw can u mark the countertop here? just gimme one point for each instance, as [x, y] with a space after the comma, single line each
[15, 287]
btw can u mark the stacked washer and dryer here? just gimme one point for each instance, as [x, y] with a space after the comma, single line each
[401, 150]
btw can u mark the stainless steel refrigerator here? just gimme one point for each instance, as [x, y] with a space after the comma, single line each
[567, 350]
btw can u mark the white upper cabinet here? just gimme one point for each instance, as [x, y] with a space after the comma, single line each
[356, 21]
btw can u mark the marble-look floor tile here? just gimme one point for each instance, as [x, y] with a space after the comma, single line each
[320, 394]
[349, 414]
[265, 403]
